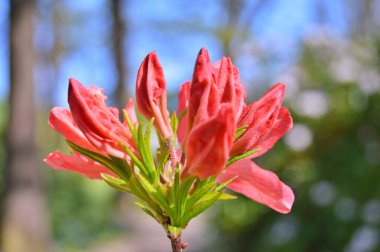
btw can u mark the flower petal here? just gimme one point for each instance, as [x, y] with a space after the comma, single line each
[208, 145]
[78, 164]
[204, 99]
[130, 108]
[61, 120]
[151, 94]
[280, 127]
[226, 85]
[229, 85]
[259, 117]
[258, 184]
[183, 103]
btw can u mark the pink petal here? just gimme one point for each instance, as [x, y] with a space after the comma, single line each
[130, 108]
[281, 126]
[204, 98]
[259, 117]
[229, 85]
[226, 85]
[78, 164]
[100, 124]
[258, 184]
[61, 120]
[261, 110]
[240, 95]
[151, 94]
[208, 145]
[183, 103]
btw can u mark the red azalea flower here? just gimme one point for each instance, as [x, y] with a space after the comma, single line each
[214, 111]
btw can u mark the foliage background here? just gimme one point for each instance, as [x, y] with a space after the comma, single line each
[326, 52]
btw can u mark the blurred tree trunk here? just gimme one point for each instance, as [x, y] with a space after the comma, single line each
[119, 31]
[236, 31]
[25, 217]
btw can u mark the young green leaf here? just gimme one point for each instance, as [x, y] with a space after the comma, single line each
[200, 191]
[99, 158]
[199, 208]
[156, 194]
[239, 132]
[223, 185]
[241, 156]
[183, 193]
[116, 183]
[182, 114]
[174, 122]
[150, 212]
[123, 164]
[134, 158]
[131, 127]
[145, 151]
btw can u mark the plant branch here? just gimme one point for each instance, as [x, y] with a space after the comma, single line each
[177, 245]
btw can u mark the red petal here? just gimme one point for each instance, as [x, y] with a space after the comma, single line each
[151, 94]
[100, 124]
[78, 164]
[204, 98]
[259, 117]
[130, 108]
[208, 145]
[281, 126]
[258, 184]
[226, 85]
[61, 120]
[183, 103]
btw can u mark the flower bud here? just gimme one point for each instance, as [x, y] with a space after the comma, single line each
[151, 94]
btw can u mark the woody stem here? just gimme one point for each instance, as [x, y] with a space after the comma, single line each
[177, 245]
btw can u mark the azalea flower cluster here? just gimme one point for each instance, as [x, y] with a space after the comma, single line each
[206, 146]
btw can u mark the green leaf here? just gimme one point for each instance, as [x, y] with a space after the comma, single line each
[162, 154]
[147, 135]
[108, 163]
[122, 163]
[145, 209]
[143, 145]
[182, 114]
[200, 208]
[227, 196]
[240, 131]
[150, 212]
[199, 193]
[183, 193]
[135, 159]
[116, 183]
[174, 122]
[219, 195]
[241, 156]
[138, 190]
[223, 185]
[131, 127]
[156, 194]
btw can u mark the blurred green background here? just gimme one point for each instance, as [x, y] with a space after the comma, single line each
[326, 52]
